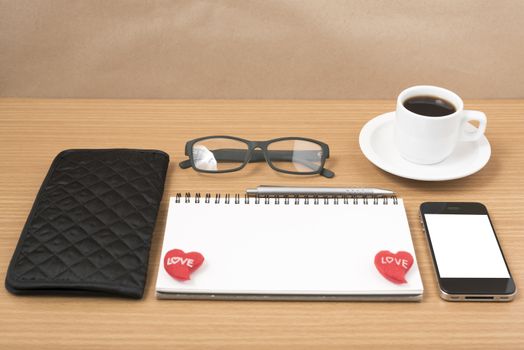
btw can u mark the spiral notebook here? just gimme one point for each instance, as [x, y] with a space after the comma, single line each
[287, 248]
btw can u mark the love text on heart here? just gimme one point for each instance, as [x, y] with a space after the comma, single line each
[397, 261]
[181, 261]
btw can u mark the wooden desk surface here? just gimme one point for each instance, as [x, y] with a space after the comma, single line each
[32, 132]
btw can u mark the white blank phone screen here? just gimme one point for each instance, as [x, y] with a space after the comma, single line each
[465, 246]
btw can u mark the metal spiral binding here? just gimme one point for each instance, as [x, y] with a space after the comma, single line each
[287, 200]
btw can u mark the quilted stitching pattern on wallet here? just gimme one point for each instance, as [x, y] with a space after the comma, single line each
[94, 220]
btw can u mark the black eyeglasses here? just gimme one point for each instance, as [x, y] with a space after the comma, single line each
[225, 154]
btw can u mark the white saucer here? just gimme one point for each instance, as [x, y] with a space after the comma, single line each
[377, 144]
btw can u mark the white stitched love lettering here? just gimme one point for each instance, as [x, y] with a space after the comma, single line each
[397, 261]
[181, 261]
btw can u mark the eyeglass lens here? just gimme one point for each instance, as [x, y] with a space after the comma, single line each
[219, 154]
[295, 155]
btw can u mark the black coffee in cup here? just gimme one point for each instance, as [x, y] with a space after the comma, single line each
[429, 106]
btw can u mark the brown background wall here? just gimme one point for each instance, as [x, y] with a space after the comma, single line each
[259, 49]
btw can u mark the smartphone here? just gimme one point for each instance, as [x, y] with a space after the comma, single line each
[467, 256]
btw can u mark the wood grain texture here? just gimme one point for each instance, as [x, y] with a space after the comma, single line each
[32, 132]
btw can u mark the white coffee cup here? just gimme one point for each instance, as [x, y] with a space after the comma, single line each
[426, 139]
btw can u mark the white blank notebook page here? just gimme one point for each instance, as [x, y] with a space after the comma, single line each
[287, 249]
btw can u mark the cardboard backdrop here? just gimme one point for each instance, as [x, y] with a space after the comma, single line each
[259, 49]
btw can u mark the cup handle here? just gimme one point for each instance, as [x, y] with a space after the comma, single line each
[477, 116]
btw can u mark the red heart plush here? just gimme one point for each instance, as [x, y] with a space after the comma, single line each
[393, 266]
[179, 265]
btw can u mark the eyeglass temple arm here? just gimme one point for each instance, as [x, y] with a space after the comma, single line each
[229, 155]
[236, 155]
[239, 155]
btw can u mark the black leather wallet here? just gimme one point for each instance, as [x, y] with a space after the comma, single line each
[89, 231]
